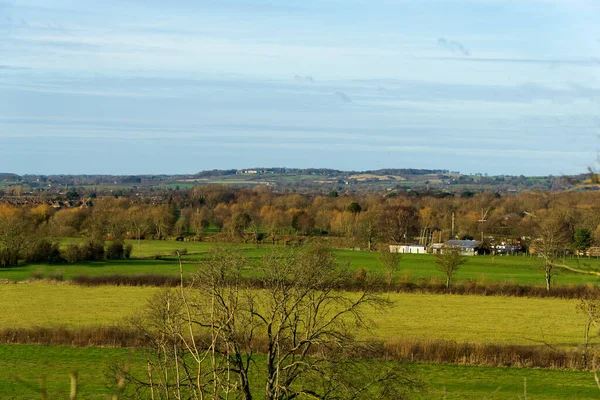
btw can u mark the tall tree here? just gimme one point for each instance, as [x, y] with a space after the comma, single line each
[138, 222]
[16, 234]
[397, 223]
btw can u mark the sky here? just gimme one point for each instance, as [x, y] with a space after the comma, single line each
[148, 87]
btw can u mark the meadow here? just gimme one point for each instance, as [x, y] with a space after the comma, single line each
[21, 368]
[474, 319]
[155, 257]
[499, 320]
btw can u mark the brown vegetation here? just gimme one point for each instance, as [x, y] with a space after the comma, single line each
[348, 220]
[378, 284]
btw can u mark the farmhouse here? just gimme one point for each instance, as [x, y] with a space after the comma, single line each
[467, 247]
[408, 248]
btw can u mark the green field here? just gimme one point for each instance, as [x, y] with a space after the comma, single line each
[22, 366]
[477, 319]
[507, 269]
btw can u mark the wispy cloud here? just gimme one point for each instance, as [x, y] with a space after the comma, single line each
[453, 46]
[285, 75]
[548, 61]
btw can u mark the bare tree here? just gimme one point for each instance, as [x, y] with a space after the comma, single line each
[397, 223]
[368, 229]
[391, 263]
[296, 333]
[590, 306]
[138, 222]
[449, 260]
[553, 234]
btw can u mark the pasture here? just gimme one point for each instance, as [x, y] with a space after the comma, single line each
[21, 367]
[476, 319]
[413, 317]
[498, 269]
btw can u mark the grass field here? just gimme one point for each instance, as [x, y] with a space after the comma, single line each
[22, 366]
[506, 269]
[477, 319]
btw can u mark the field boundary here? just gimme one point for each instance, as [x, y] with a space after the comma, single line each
[432, 351]
[432, 286]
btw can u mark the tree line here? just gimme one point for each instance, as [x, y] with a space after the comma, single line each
[530, 219]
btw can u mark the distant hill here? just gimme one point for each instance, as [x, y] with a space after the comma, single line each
[320, 179]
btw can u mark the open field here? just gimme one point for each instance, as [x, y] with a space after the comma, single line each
[22, 366]
[506, 269]
[476, 319]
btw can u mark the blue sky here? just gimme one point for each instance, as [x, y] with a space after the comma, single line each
[131, 87]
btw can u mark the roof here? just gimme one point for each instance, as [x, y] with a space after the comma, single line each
[470, 244]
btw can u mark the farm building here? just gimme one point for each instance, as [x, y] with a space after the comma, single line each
[467, 247]
[593, 252]
[408, 248]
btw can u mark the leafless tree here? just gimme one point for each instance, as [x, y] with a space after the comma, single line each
[138, 223]
[552, 238]
[449, 260]
[391, 263]
[292, 327]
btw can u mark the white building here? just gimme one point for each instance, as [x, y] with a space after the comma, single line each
[466, 247]
[408, 248]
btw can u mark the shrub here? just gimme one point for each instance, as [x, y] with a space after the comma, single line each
[127, 251]
[37, 274]
[72, 252]
[127, 280]
[44, 251]
[83, 337]
[57, 275]
[89, 251]
[93, 250]
[361, 275]
[115, 250]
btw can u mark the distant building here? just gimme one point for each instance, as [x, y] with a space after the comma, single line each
[408, 248]
[466, 247]
[505, 248]
[593, 252]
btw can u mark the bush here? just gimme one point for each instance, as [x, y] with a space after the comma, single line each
[360, 276]
[93, 250]
[57, 275]
[37, 274]
[72, 252]
[127, 280]
[44, 251]
[115, 250]
[88, 251]
[127, 251]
